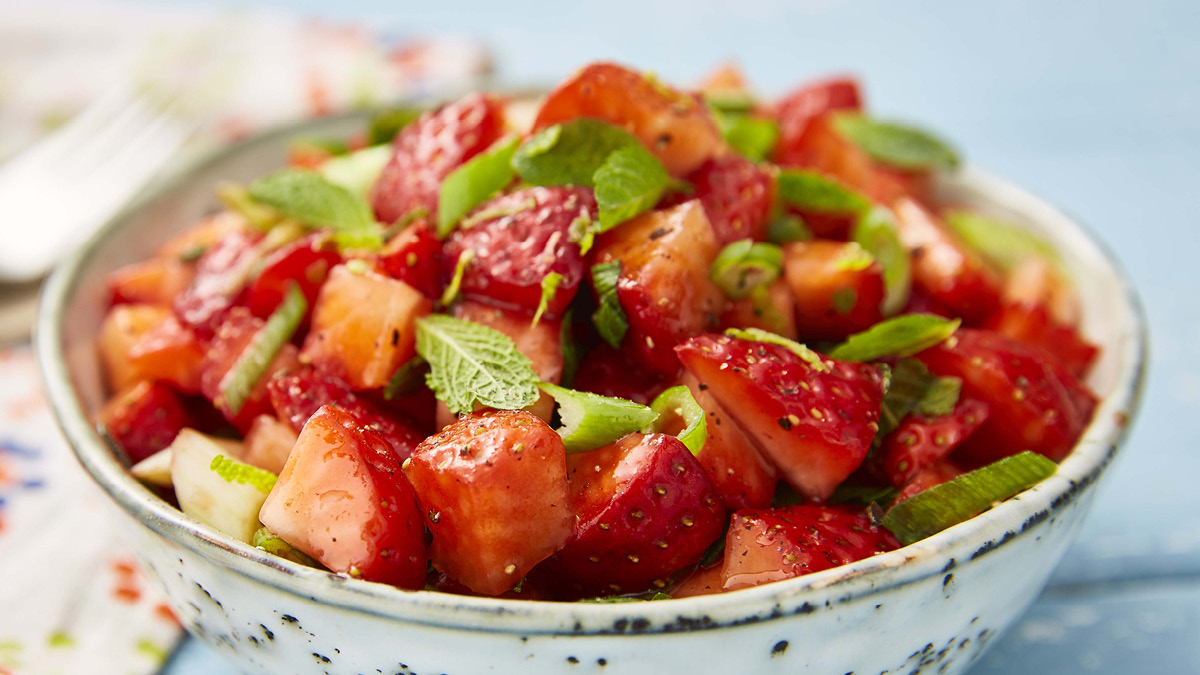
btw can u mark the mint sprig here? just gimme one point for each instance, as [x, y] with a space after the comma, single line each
[754, 137]
[897, 144]
[474, 183]
[314, 200]
[629, 183]
[470, 363]
[569, 153]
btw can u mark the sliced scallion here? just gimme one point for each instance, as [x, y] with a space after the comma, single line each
[903, 335]
[677, 409]
[746, 265]
[258, 355]
[591, 421]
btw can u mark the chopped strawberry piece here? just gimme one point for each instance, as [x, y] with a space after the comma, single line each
[144, 419]
[838, 288]
[920, 441]
[268, 443]
[645, 509]
[305, 262]
[1034, 402]
[123, 327]
[1032, 324]
[673, 125]
[522, 237]
[155, 281]
[741, 475]
[342, 499]
[664, 286]
[415, 257]
[737, 196]
[427, 150]
[202, 236]
[608, 372]
[815, 423]
[773, 311]
[935, 474]
[493, 488]
[298, 395]
[796, 110]
[233, 337]
[725, 78]
[822, 148]
[169, 352]
[702, 581]
[221, 274]
[774, 544]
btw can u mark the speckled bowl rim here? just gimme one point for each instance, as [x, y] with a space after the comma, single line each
[933, 556]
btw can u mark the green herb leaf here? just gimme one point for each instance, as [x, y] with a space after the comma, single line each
[384, 125]
[760, 335]
[236, 198]
[677, 409]
[629, 183]
[753, 136]
[609, 317]
[875, 231]
[907, 384]
[570, 348]
[474, 183]
[234, 471]
[940, 398]
[743, 266]
[897, 144]
[966, 496]
[312, 199]
[254, 360]
[591, 421]
[863, 495]
[1002, 244]
[470, 362]
[615, 599]
[903, 335]
[730, 101]
[788, 228]
[550, 284]
[450, 294]
[815, 192]
[407, 379]
[357, 171]
[569, 153]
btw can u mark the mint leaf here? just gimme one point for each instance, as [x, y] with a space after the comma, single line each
[407, 379]
[788, 228]
[474, 183]
[907, 384]
[903, 335]
[759, 335]
[357, 171]
[469, 363]
[569, 153]
[609, 318]
[897, 144]
[629, 183]
[312, 199]
[940, 398]
[550, 284]
[812, 191]
[755, 137]
[875, 231]
[1000, 243]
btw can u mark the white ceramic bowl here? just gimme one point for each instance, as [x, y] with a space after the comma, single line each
[934, 605]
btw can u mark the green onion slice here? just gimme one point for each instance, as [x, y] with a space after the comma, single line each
[460, 268]
[550, 284]
[962, 498]
[609, 317]
[677, 409]
[269, 542]
[591, 421]
[875, 231]
[759, 335]
[788, 228]
[903, 335]
[744, 266]
[258, 355]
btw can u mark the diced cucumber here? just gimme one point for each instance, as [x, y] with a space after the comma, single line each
[228, 507]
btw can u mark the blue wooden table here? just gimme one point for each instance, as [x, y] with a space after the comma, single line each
[1095, 105]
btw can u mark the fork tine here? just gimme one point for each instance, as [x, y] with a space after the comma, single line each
[82, 126]
[144, 153]
[87, 155]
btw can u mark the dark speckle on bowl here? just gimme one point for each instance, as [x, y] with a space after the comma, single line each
[779, 648]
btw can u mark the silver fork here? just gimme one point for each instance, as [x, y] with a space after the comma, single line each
[56, 193]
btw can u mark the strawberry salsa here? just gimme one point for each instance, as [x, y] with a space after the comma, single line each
[635, 342]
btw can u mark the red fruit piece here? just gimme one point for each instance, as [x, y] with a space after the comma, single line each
[645, 509]
[837, 288]
[664, 286]
[776, 544]
[305, 262]
[232, 338]
[1034, 403]
[221, 274]
[933, 475]
[774, 311]
[798, 108]
[737, 196]
[814, 423]
[415, 257]
[493, 488]
[341, 499]
[268, 443]
[920, 441]
[155, 281]
[1032, 324]
[741, 475]
[525, 240]
[144, 419]
[123, 327]
[674, 126]
[608, 372]
[298, 395]
[427, 150]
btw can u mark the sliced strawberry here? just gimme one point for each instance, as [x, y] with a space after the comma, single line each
[774, 311]
[742, 477]
[494, 491]
[737, 196]
[363, 327]
[144, 419]
[221, 274]
[815, 425]
[524, 239]
[341, 499]
[837, 287]
[674, 126]
[169, 352]
[123, 327]
[297, 395]
[427, 150]
[775, 544]
[231, 340]
[268, 443]
[1034, 402]
[920, 441]
[796, 110]
[702, 581]
[155, 281]
[1032, 324]
[608, 372]
[305, 262]
[415, 257]
[933, 475]
[822, 148]
[645, 509]
[664, 286]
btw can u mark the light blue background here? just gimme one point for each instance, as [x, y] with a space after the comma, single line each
[1095, 105]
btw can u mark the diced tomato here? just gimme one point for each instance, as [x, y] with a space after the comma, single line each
[814, 422]
[608, 372]
[921, 441]
[796, 110]
[155, 281]
[363, 327]
[415, 257]
[1034, 402]
[233, 337]
[525, 238]
[741, 475]
[169, 352]
[342, 499]
[664, 286]
[144, 419]
[123, 327]
[773, 310]
[775, 544]
[493, 488]
[427, 150]
[737, 196]
[838, 288]
[221, 274]
[1033, 325]
[268, 443]
[305, 262]
[673, 125]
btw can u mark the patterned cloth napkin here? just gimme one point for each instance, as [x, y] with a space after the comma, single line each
[72, 599]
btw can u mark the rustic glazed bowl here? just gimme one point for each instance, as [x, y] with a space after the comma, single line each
[930, 607]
